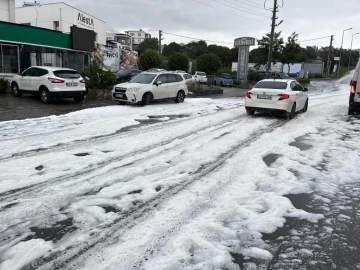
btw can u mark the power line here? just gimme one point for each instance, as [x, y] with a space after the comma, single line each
[197, 38]
[253, 2]
[314, 39]
[244, 9]
[229, 12]
[249, 4]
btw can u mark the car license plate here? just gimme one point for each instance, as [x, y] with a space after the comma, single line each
[119, 95]
[263, 97]
[71, 84]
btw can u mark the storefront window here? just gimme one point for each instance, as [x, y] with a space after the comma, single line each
[9, 59]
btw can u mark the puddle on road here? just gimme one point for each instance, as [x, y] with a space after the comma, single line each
[109, 208]
[39, 168]
[270, 158]
[82, 154]
[138, 191]
[55, 231]
[300, 142]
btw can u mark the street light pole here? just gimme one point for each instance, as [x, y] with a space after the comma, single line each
[342, 40]
[351, 49]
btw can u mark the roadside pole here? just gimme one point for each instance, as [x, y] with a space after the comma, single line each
[160, 35]
[272, 37]
[329, 56]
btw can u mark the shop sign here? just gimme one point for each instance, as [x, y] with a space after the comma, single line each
[85, 20]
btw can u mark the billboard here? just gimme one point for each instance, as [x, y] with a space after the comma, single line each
[114, 58]
[82, 39]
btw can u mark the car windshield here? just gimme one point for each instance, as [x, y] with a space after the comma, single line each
[271, 85]
[143, 78]
[226, 76]
[284, 75]
[200, 74]
[66, 74]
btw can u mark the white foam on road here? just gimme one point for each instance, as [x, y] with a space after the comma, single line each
[223, 211]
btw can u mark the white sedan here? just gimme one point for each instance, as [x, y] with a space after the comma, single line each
[285, 96]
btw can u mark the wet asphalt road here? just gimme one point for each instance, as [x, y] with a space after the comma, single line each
[28, 106]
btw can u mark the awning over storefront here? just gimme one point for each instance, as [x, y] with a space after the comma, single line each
[29, 35]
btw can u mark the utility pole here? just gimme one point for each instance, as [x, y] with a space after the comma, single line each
[160, 35]
[329, 57]
[352, 38]
[272, 36]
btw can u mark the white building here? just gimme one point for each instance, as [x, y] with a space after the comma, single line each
[7, 10]
[124, 39]
[60, 16]
[138, 36]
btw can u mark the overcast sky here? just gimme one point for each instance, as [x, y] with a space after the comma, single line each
[228, 19]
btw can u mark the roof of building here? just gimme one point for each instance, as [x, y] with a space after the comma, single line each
[64, 4]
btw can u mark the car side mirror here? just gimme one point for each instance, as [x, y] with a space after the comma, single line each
[305, 89]
[158, 83]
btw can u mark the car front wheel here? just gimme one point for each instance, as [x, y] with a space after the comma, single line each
[147, 99]
[306, 106]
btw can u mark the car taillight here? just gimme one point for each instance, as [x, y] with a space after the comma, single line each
[353, 88]
[284, 96]
[82, 81]
[55, 80]
[248, 94]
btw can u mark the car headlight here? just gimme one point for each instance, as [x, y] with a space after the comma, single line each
[131, 90]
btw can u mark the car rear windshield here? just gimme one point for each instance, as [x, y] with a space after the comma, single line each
[271, 85]
[201, 74]
[143, 78]
[226, 76]
[66, 74]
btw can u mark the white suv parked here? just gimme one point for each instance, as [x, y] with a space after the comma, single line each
[49, 82]
[149, 86]
[200, 77]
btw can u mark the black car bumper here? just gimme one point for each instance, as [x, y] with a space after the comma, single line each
[266, 110]
[68, 94]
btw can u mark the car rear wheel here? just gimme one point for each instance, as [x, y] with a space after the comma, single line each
[15, 90]
[122, 102]
[306, 106]
[180, 97]
[45, 97]
[250, 112]
[350, 112]
[291, 114]
[147, 99]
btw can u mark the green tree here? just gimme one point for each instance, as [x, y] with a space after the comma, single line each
[223, 52]
[195, 49]
[149, 59]
[209, 63]
[291, 52]
[178, 61]
[263, 52]
[172, 48]
[234, 54]
[148, 43]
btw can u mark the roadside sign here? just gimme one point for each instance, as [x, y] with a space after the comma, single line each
[336, 58]
[297, 74]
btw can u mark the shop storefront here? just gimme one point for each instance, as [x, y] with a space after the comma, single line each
[22, 46]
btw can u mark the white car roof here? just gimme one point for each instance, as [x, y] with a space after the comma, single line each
[53, 68]
[277, 80]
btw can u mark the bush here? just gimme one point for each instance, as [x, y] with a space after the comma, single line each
[4, 85]
[315, 76]
[99, 78]
[149, 59]
[303, 80]
[178, 61]
[236, 83]
[254, 76]
[209, 63]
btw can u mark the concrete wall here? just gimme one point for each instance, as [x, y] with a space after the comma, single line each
[7, 10]
[45, 15]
